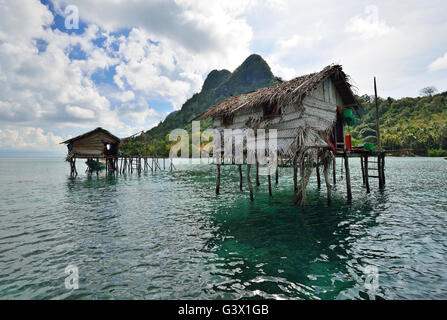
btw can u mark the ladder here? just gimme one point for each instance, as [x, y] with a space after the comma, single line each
[378, 172]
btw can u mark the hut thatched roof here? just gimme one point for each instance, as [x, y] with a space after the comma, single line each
[286, 93]
[99, 129]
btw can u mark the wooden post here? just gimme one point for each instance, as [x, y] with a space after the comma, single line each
[383, 168]
[295, 177]
[363, 169]
[377, 117]
[318, 177]
[240, 176]
[250, 187]
[257, 174]
[218, 180]
[326, 179]
[366, 175]
[379, 170]
[270, 182]
[302, 191]
[276, 174]
[164, 166]
[334, 172]
[348, 177]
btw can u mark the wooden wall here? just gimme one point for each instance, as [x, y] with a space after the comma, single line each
[318, 111]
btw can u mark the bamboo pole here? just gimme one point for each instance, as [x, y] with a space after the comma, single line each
[250, 187]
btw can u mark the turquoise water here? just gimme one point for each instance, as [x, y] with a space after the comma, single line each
[168, 236]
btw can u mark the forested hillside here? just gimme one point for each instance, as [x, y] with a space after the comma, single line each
[418, 124]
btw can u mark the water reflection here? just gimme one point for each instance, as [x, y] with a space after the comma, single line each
[282, 252]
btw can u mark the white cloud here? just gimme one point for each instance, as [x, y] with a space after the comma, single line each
[29, 138]
[369, 25]
[439, 64]
[139, 112]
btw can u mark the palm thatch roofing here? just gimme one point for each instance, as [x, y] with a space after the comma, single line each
[99, 129]
[286, 93]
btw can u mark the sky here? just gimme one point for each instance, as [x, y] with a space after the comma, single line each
[67, 67]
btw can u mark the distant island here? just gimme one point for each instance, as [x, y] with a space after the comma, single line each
[415, 126]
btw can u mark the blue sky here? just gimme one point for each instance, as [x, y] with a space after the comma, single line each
[130, 63]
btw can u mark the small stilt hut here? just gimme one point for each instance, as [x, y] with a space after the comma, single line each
[96, 144]
[309, 114]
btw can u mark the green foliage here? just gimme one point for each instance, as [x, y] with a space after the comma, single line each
[419, 124]
[437, 153]
[252, 74]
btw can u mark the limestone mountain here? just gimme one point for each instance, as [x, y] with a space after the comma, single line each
[252, 74]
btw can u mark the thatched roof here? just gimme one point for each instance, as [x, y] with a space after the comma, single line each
[286, 93]
[99, 129]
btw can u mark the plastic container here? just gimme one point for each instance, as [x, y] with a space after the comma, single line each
[348, 117]
[348, 142]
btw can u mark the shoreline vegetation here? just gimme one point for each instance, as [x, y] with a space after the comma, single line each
[409, 126]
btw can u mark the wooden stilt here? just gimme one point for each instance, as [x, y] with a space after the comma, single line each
[295, 177]
[366, 175]
[318, 177]
[240, 176]
[363, 168]
[276, 174]
[250, 187]
[383, 168]
[270, 182]
[164, 165]
[348, 177]
[257, 174]
[326, 179]
[334, 171]
[380, 171]
[218, 180]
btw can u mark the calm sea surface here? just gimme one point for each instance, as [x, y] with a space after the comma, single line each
[168, 236]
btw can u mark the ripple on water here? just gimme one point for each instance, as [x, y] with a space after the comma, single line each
[167, 236]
